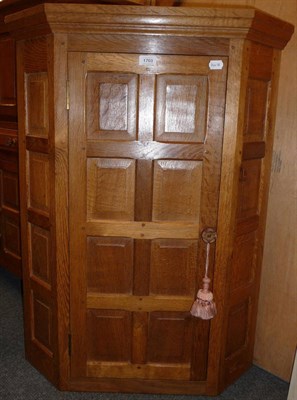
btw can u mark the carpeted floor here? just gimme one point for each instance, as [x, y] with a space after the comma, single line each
[20, 381]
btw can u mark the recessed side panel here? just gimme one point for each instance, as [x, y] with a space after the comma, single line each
[243, 265]
[39, 181]
[239, 331]
[40, 253]
[36, 91]
[256, 109]
[249, 187]
[41, 323]
[238, 321]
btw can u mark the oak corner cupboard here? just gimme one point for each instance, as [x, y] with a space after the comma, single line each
[141, 127]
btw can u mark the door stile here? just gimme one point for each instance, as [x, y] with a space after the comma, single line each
[144, 168]
[209, 202]
[143, 212]
[77, 207]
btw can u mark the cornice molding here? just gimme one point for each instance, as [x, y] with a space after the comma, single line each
[223, 22]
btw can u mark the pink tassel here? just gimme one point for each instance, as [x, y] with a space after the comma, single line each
[204, 307]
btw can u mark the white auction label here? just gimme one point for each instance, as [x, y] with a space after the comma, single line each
[148, 60]
[216, 64]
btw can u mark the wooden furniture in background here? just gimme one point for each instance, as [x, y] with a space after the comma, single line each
[10, 245]
[140, 159]
[10, 250]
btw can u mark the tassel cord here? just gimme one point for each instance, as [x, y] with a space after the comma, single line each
[207, 260]
[204, 307]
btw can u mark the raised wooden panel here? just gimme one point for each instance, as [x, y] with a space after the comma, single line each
[41, 322]
[169, 337]
[173, 267]
[39, 178]
[181, 108]
[238, 324]
[36, 92]
[40, 253]
[111, 106]
[110, 189]
[243, 264]
[249, 186]
[108, 335]
[176, 191]
[11, 235]
[109, 265]
[9, 190]
[256, 105]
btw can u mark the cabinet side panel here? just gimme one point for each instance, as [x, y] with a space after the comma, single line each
[227, 207]
[36, 200]
[257, 135]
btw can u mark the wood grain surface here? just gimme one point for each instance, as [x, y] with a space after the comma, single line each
[144, 179]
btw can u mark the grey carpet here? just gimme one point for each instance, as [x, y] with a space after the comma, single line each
[20, 381]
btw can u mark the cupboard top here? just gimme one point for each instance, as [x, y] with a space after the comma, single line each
[221, 22]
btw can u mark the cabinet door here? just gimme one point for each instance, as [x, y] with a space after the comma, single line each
[145, 155]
